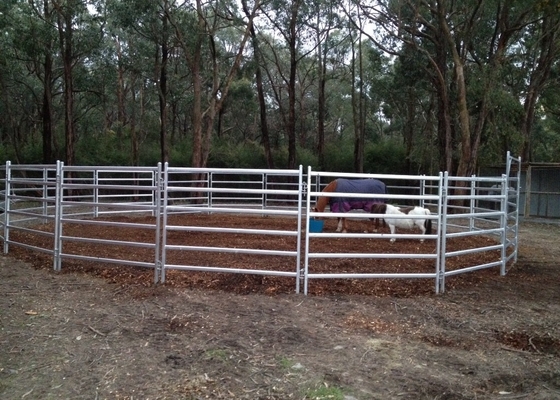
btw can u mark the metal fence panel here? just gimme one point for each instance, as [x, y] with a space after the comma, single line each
[66, 197]
[223, 192]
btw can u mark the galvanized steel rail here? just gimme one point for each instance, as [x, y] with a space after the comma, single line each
[76, 195]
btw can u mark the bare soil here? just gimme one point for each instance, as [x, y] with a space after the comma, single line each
[99, 331]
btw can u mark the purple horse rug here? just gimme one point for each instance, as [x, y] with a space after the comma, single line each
[345, 204]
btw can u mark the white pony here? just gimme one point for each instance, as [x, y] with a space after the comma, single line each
[425, 225]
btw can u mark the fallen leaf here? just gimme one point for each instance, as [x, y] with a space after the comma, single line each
[31, 312]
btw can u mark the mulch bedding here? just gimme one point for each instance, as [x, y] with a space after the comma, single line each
[247, 283]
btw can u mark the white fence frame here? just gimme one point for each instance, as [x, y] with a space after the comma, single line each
[68, 195]
[242, 202]
[314, 177]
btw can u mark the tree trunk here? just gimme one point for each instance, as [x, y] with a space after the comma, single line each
[65, 31]
[47, 108]
[409, 128]
[291, 128]
[197, 89]
[133, 133]
[162, 92]
[120, 93]
[262, 103]
[357, 109]
[547, 55]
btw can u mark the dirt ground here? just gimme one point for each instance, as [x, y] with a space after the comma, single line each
[107, 332]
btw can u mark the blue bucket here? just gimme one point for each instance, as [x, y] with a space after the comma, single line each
[316, 225]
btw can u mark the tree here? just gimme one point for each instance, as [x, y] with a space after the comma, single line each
[286, 18]
[258, 60]
[457, 35]
[543, 49]
[206, 25]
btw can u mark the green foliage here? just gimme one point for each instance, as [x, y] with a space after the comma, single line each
[385, 157]
[110, 150]
[306, 157]
[117, 65]
[339, 156]
[28, 153]
[180, 153]
[248, 154]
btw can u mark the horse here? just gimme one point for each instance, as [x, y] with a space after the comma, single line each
[345, 204]
[425, 225]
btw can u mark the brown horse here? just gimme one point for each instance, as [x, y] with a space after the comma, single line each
[345, 204]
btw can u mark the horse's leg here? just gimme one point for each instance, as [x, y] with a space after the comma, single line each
[340, 223]
[421, 224]
[374, 225]
[392, 228]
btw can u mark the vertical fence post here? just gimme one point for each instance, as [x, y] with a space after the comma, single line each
[307, 217]
[158, 189]
[299, 217]
[472, 202]
[444, 189]
[58, 216]
[209, 185]
[156, 179]
[504, 222]
[45, 192]
[164, 223]
[422, 190]
[7, 190]
[96, 193]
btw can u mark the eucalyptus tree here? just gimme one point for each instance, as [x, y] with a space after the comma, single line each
[547, 136]
[541, 43]
[358, 98]
[79, 33]
[29, 53]
[151, 39]
[326, 26]
[407, 104]
[258, 63]
[288, 19]
[470, 41]
[212, 67]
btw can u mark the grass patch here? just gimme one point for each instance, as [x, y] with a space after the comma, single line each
[325, 393]
[216, 354]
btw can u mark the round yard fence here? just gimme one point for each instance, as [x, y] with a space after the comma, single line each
[247, 230]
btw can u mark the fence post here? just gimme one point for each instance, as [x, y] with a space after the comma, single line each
[164, 223]
[301, 187]
[96, 192]
[504, 221]
[45, 192]
[307, 216]
[444, 189]
[158, 255]
[7, 190]
[472, 202]
[58, 216]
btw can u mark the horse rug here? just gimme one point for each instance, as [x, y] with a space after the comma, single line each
[345, 204]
